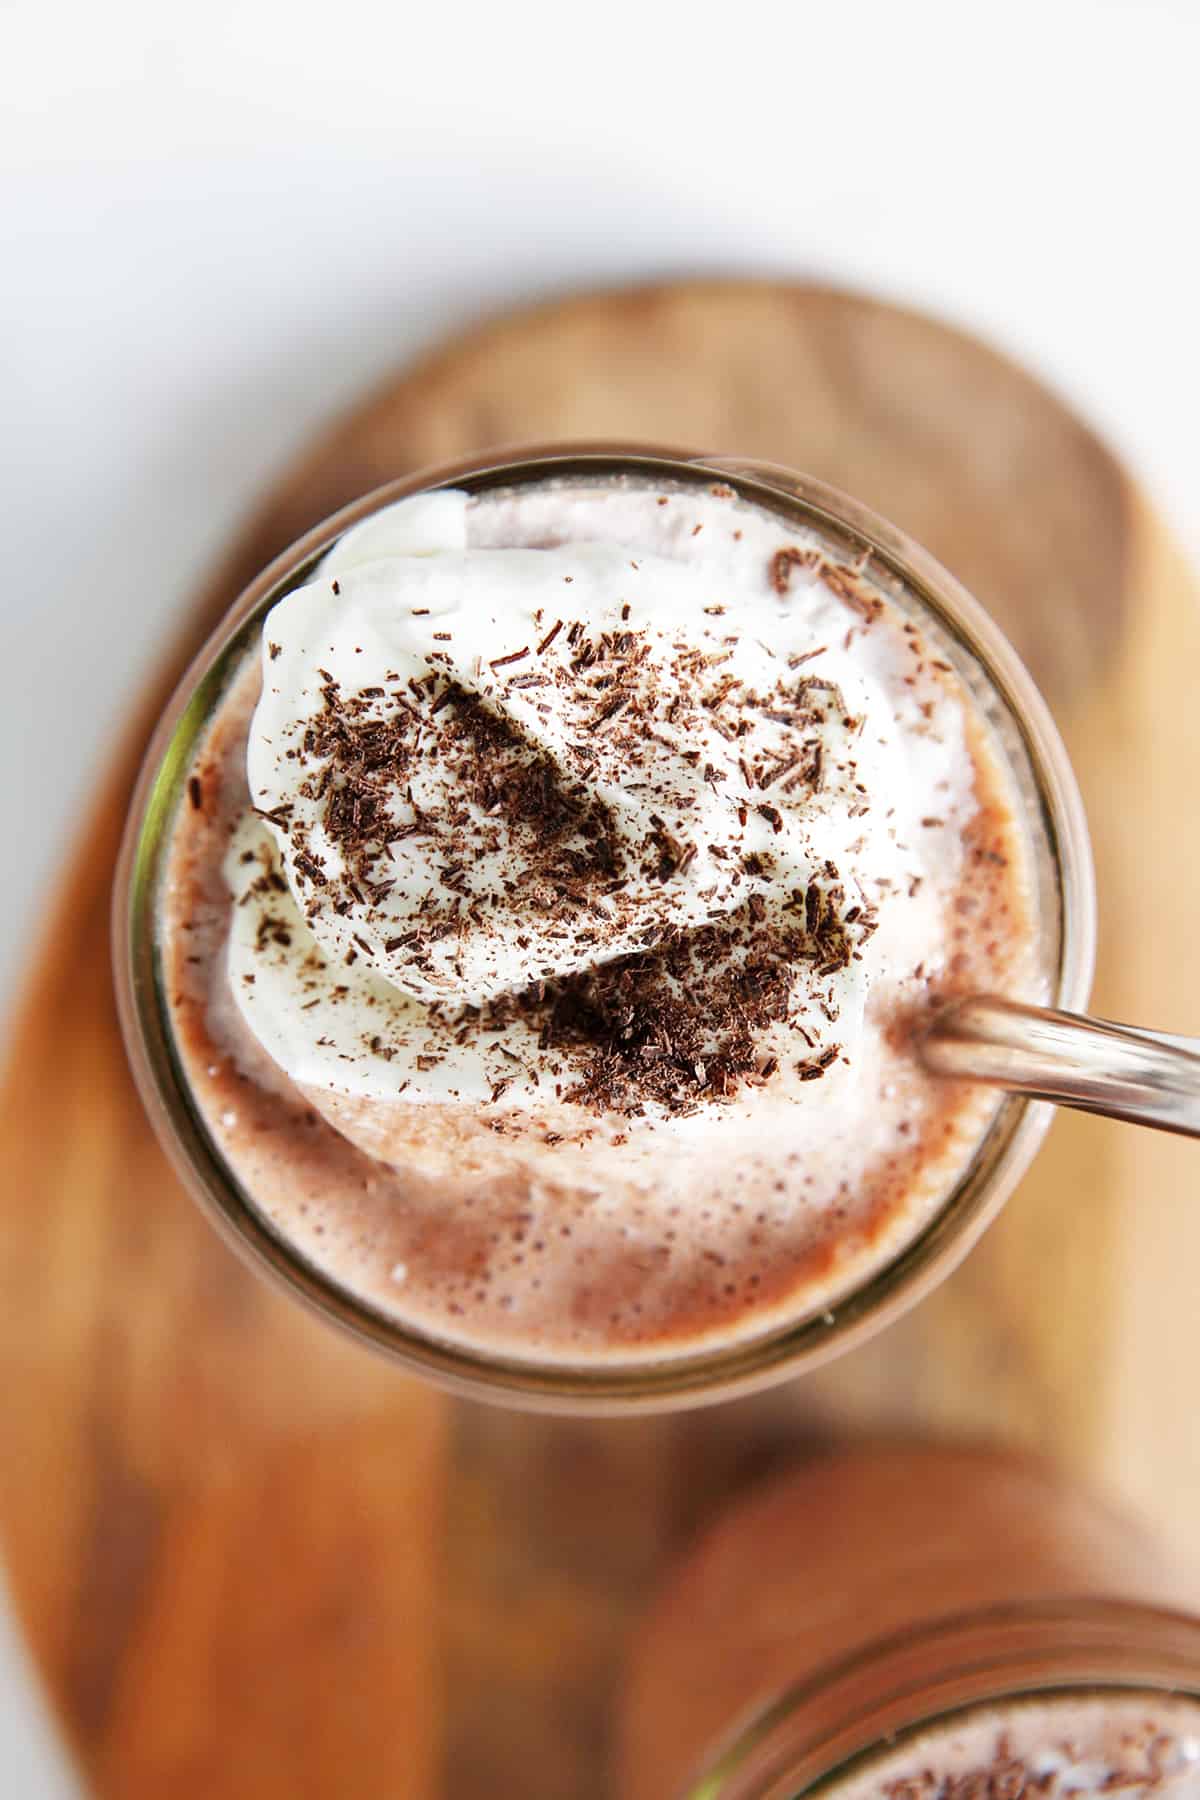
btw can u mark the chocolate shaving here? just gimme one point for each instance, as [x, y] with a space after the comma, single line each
[769, 777]
[844, 583]
[787, 559]
[305, 865]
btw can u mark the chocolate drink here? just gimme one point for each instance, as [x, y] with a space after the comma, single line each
[812, 1597]
[554, 895]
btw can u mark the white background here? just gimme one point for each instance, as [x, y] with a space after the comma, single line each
[221, 221]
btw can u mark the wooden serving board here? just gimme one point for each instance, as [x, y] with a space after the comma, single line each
[250, 1559]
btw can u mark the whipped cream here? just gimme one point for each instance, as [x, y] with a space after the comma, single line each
[496, 755]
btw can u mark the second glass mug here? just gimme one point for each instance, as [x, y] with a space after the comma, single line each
[1064, 903]
[838, 1627]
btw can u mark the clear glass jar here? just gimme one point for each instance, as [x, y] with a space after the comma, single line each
[1065, 908]
[882, 1594]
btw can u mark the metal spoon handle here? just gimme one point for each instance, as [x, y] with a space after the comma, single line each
[1146, 1077]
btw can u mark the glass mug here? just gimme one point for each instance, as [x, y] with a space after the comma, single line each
[1064, 906]
[892, 1594]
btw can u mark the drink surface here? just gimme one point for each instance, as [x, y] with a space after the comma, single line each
[1135, 1745]
[552, 900]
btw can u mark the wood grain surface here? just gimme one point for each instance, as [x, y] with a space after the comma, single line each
[251, 1560]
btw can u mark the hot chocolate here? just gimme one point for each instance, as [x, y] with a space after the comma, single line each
[556, 888]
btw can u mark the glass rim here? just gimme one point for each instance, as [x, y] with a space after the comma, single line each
[943, 1672]
[607, 1387]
